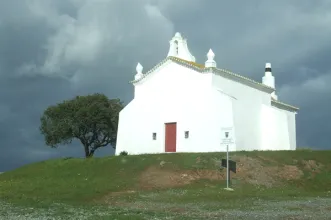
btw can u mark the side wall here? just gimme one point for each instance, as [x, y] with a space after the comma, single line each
[278, 129]
[274, 129]
[258, 125]
[221, 114]
[291, 117]
[247, 110]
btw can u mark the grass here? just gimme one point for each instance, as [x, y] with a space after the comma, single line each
[114, 187]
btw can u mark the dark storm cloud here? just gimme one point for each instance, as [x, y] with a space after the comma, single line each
[54, 50]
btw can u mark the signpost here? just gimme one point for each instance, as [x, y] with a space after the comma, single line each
[228, 138]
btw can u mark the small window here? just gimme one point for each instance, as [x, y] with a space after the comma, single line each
[187, 134]
[154, 136]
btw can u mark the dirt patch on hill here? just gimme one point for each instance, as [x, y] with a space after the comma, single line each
[312, 165]
[249, 170]
[253, 171]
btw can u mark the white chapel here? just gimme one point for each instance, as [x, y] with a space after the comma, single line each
[182, 106]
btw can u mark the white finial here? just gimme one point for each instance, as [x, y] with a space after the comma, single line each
[139, 68]
[210, 62]
[210, 55]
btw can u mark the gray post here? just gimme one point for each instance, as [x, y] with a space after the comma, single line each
[227, 166]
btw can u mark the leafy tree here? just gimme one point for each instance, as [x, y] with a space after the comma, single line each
[91, 119]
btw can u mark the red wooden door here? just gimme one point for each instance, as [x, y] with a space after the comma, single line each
[170, 137]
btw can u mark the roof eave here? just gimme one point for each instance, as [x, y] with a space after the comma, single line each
[284, 106]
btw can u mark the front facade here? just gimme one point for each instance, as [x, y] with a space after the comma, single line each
[181, 106]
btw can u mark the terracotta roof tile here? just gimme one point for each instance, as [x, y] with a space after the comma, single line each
[189, 62]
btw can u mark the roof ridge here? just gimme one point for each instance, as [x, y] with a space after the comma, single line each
[202, 68]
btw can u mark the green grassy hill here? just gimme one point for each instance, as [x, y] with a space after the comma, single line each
[151, 184]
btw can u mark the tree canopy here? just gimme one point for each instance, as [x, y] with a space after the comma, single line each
[91, 119]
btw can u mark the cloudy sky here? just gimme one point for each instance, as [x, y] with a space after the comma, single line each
[51, 50]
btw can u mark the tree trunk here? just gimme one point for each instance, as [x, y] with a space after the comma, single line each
[86, 147]
[91, 153]
[87, 152]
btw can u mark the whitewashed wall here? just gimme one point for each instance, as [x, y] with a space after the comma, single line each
[258, 125]
[247, 108]
[221, 115]
[291, 122]
[291, 117]
[274, 129]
